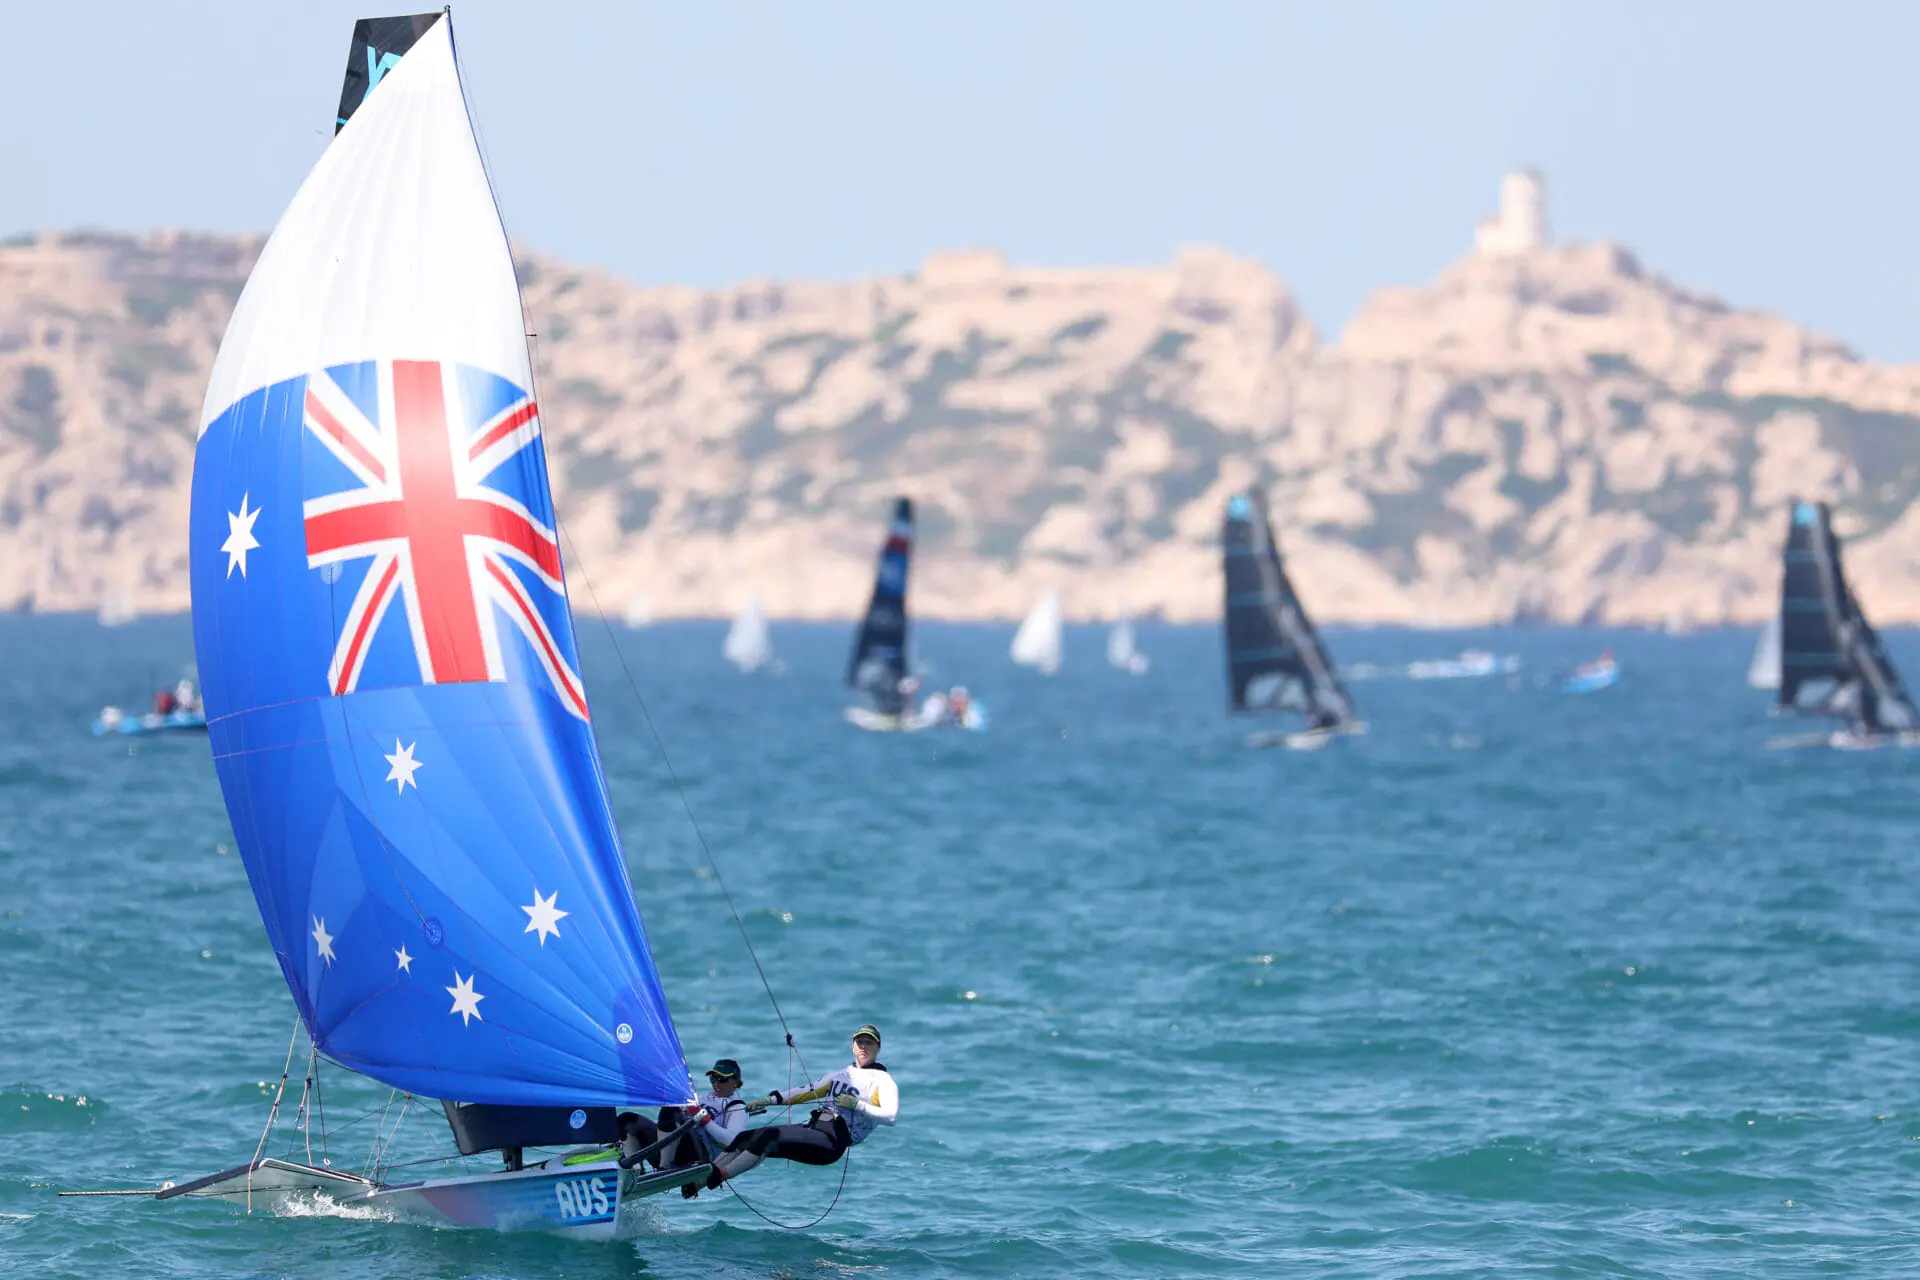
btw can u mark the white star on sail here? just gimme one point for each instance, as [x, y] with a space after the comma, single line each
[543, 916]
[466, 1001]
[406, 961]
[240, 539]
[404, 767]
[323, 939]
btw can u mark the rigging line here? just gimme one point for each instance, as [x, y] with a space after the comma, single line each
[302, 1118]
[646, 713]
[273, 1111]
[379, 1132]
[846, 1163]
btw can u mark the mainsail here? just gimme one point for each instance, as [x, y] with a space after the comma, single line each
[879, 660]
[1275, 660]
[1037, 643]
[394, 694]
[1831, 660]
[748, 645]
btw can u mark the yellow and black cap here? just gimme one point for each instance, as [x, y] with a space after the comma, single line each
[724, 1069]
[867, 1029]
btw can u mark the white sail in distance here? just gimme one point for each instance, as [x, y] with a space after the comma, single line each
[1121, 652]
[1764, 673]
[748, 645]
[1037, 643]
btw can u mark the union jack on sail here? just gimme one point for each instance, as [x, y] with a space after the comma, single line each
[444, 491]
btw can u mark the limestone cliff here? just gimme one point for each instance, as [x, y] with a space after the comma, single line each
[1544, 432]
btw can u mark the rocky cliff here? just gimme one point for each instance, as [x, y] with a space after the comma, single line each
[1554, 433]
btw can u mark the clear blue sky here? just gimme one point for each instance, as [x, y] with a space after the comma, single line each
[1759, 150]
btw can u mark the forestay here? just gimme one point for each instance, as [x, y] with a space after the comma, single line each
[1275, 660]
[395, 702]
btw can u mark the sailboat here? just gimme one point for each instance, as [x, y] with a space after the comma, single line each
[1764, 671]
[1037, 643]
[748, 646]
[1121, 651]
[1831, 660]
[1275, 658]
[878, 665]
[395, 704]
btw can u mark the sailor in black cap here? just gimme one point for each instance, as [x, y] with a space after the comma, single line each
[719, 1118]
[857, 1098]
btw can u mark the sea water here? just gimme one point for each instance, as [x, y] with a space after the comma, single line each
[1519, 983]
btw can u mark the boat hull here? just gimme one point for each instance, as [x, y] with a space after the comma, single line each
[1590, 681]
[152, 722]
[582, 1202]
[1306, 739]
[579, 1201]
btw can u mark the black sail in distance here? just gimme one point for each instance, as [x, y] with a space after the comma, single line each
[1275, 660]
[880, 646]
[378, 46]
[1831, 660]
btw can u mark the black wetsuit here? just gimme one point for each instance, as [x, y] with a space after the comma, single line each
[822, 1140]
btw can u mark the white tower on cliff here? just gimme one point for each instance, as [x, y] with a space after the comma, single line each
[1521, 223]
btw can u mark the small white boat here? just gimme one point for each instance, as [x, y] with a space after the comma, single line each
[1472, 664]
[1037, 643]
[748, 645]
[1121, 651]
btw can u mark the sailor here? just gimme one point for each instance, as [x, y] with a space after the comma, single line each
[858, 1097]
[719, 1118]
[957, 705]
[164, 702]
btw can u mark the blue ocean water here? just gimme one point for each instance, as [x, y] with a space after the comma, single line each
[1517, 984]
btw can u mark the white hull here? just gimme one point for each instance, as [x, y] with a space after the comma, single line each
[1305, 739]
[580, 1201]
[1843, 740]
[932, 715]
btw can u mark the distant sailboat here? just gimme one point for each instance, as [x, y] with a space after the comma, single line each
[1764, 671]
[1121, 651]
[748, 646]
[397, 713]
[639, 612]
[118, 609]
[1831, 661]
[878, 667]
[1037, 643]
[1275, 658]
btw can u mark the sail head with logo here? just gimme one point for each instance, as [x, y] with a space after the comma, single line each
[380, 616]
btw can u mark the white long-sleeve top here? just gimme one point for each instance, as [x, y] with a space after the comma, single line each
[729, 1121]
[873, 1096]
